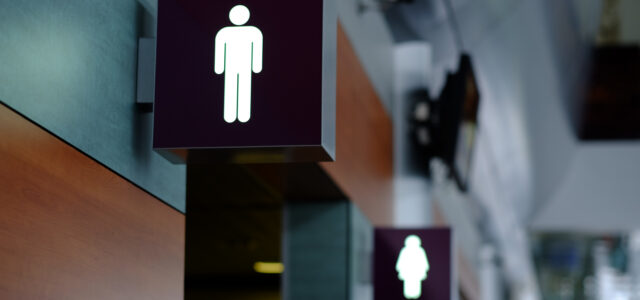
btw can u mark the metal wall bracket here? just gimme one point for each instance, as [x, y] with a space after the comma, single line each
[146, 74]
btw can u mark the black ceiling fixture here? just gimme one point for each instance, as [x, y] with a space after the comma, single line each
[446, 127]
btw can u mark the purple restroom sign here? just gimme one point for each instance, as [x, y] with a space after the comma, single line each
[413, 264]
[245, 81]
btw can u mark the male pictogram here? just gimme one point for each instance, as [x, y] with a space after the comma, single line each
[412, 267]
[238, 53]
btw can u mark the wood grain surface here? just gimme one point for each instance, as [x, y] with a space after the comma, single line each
[364, 157]
[72, 229]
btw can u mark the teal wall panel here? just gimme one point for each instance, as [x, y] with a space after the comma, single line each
[316, 251]
[360, 255]
[327, 251]
[70, 66]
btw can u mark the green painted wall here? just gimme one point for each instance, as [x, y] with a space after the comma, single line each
[70, 66]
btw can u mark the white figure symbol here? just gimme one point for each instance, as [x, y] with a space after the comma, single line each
[412, 267]
[238, 53]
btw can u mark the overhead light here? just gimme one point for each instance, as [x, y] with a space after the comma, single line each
[268, 267]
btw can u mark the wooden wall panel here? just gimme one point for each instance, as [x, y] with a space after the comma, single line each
[72, 229]
[364, 160]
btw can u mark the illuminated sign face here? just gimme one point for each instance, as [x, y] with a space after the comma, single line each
[413, 264]
[412, 267]
[245, 81]
[238, 55]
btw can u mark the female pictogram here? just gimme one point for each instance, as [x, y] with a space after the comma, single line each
[412, 267]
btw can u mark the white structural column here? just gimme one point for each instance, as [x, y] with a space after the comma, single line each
[411, 205]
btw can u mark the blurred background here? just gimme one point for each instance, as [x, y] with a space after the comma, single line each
[542, 182]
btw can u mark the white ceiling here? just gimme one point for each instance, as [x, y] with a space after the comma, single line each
[530, 172]
[600, 191]
[528, 55]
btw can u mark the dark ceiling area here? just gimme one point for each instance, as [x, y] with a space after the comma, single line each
[234, 219]
[611, 106]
